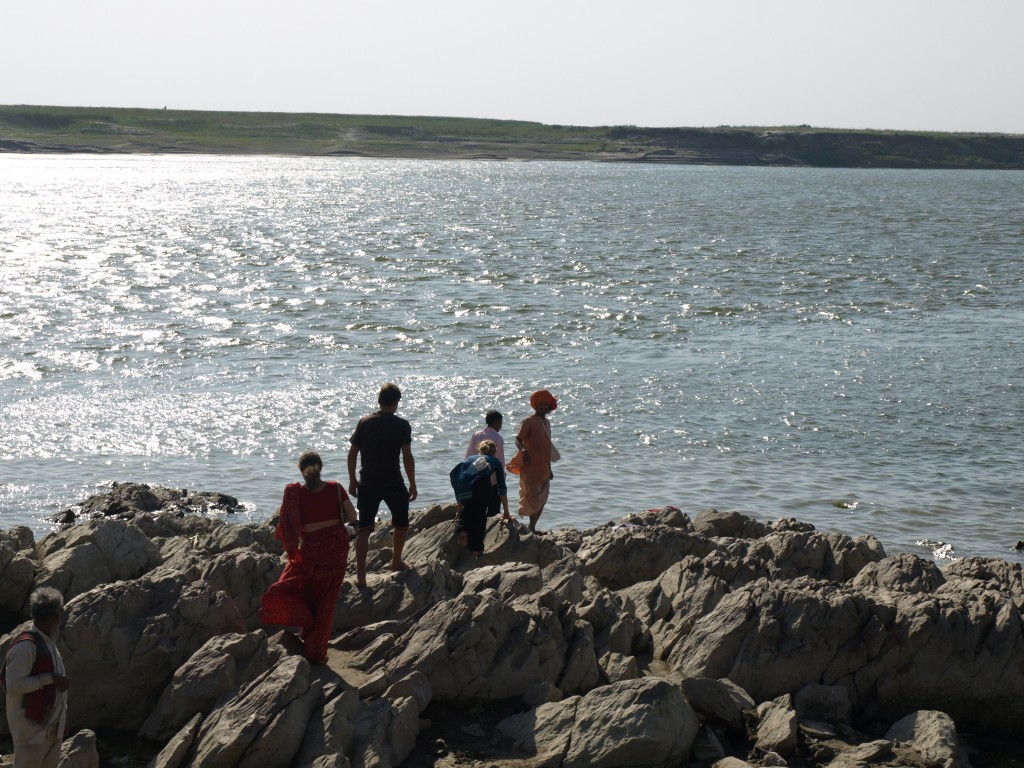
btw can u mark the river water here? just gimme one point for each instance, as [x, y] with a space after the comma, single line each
[841, 346]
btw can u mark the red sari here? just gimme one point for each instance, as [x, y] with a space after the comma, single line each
[305, 594]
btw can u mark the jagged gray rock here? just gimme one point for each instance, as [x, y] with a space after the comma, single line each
[733, 525]
[932, 735]
[776, 727]
[385, 732]
[127, 500]
[395, 596]
[80, 751]
[18, 566]
[479, 646]
[224, 663]
[620, 556]
[176, 750]
[330, 731]
[123, 642]
[96, 552]
[979, 573]
[580, 672]
[263, 724]
[825, 703]
[901, 573]
[633, 723]
[720, 702]
[727, 614]
[893, 651]
[731, 762]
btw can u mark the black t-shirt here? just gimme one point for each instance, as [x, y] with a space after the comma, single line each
[380, 437]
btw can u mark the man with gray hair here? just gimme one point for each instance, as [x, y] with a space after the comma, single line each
[36, 686]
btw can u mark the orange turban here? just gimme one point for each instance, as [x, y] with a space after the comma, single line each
[543, 396]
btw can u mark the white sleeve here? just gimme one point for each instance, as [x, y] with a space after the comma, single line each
[20, 659]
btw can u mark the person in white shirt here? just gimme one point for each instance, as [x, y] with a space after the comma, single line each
[37, 689]
[491, 432]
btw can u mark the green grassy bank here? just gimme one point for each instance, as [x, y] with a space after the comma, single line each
[101, 130]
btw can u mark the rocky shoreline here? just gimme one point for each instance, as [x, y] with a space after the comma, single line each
[655, 641]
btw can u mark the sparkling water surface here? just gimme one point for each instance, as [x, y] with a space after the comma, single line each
[840, 346]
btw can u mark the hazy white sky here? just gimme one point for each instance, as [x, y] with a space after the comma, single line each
[949, 65]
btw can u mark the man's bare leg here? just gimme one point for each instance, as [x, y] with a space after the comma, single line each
[534, 519]
[362, 547]
[398, 537]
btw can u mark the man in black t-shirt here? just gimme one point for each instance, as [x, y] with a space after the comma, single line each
[381, 438]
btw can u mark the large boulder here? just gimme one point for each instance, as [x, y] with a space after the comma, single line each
[900, 573]
[127, 500]
[733, 525]
[243, 574]
[961, 652]
[176, 750]
[504, 543]
[617, 630]
[719, 702]
[790, 554]
[18, 566]
[384, 732]
[478, 646]
[331, 730]
[776, 727]
[581, 672]
[932, 737]
[670, 605]
[395, 596]
[223, 664]
[96, 552]
[263, 725]
[671, 517]
[183, 534]
[122, 642]
[986, 574]
[620, 556]
[80, 751]
[633, 723]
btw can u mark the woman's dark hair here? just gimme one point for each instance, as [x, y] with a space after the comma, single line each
[308, 459]
[46, 603]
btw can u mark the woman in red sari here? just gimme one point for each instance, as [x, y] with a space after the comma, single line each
[312, 528]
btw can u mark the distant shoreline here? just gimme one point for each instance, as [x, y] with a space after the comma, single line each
[78, 130]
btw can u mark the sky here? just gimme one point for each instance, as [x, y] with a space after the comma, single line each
[941, 65]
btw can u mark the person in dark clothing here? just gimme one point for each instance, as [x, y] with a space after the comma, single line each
[379, 441]
[479, 484]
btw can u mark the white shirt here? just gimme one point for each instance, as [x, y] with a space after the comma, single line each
[487, 434]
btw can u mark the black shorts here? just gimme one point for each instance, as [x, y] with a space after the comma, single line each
[369, 499]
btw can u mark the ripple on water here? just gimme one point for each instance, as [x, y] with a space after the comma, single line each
[838, 345]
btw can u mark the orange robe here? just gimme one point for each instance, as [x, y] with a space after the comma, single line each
[535, 478]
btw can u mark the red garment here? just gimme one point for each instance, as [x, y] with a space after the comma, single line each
[301, 506]
[305, 594]
[36, 703]
[322, 506]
